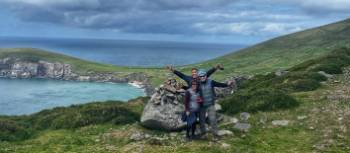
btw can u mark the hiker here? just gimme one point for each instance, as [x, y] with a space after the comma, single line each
[194, 73]
[193, 101]
[208, 106]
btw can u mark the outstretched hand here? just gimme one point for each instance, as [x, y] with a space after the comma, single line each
[170, 68]
[219, 67]
[231, 83]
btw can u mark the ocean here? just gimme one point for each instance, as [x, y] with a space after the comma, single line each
[126, 52]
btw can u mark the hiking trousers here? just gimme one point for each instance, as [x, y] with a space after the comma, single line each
[212, 119]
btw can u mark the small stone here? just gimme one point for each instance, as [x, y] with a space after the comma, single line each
[233, 120]
[173, 134]
[225, 146]
[218, 107]
[224, 133]
[242, 127]
[325, 74]
[301, 117]
[137, 136]
[280, 122]
[244, 116]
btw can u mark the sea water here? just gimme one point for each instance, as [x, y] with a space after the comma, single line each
[126, 52]
[26, 96]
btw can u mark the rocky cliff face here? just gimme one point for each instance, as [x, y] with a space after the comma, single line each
[19, 68]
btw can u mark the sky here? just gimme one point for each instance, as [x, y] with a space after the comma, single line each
[214, 21]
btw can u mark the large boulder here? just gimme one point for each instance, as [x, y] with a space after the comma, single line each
[164, 109]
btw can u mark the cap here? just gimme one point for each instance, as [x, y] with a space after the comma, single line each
[202, 72]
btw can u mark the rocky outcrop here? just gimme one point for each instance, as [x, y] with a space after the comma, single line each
[20, 68]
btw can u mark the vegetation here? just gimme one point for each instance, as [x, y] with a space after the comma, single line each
[272, 92]
[75, 116]
[318, 113]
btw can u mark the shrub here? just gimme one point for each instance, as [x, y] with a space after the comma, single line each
[13, 131]
[266, 99]
[82, 115]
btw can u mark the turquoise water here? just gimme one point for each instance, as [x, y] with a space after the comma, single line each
[19, 97]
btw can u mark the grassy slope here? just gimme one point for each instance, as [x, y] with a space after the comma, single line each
[279, 53]
[324, 128]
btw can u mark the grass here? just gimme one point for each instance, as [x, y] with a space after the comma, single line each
[106, 127]
[15, 128]
[272, 92]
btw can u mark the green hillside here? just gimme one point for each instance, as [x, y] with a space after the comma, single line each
[285, 51]
[316, 109]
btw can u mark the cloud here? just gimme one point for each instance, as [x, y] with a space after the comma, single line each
[324, 7]
[179, 17]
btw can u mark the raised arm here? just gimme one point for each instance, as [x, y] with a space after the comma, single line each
[179, 74]
[213, 70]
[219, 84]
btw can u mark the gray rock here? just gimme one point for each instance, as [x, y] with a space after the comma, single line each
[281, 72]
[137, 136]
[325, 74]
[225, 146]
[224, 133]
[301, 117]
[218, 107]
[280, 122]
[244, 116]
[162, 112]
[242, 126]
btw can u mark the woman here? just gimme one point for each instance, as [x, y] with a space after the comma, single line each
[193, 101]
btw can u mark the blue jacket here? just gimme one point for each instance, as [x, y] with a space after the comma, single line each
[207, 91]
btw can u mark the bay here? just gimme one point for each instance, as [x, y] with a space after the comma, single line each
[26, 96]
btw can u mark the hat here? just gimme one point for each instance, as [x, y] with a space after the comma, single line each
[202, 72]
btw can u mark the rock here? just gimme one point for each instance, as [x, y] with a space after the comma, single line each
[218, 107]
[301, 117]
[13, 67]
[244, 127]
[163, 111]
[137, 136]
[244, 116]
[224, 133]
[325, 74]
[280, 122]
[281, 72]
[225, 146]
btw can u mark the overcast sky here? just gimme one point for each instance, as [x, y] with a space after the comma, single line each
[219, 21]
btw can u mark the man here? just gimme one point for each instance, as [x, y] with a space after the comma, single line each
[208, 106]
[194, 73]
